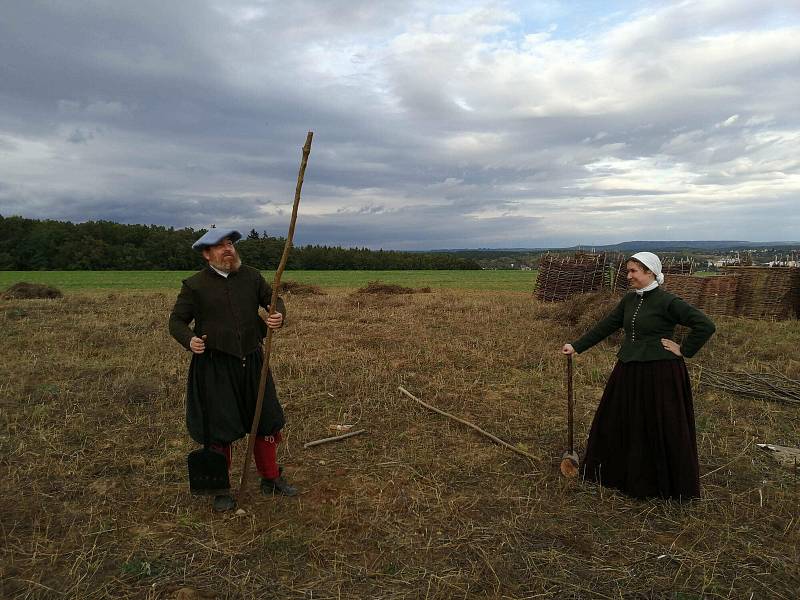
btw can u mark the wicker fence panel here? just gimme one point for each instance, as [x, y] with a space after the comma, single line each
[719, 295]
[752, 292]
[687, 287]
[678, 267]
[767, 292]
[713, 295]
[620, 278]
[562, 277]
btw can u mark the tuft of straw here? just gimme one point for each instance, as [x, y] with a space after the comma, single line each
[25, 290]
[296, 288]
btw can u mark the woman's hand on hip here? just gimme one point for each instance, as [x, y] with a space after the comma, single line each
[568, 349]
[671, 346]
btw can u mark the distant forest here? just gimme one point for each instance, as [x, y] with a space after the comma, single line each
[45, 245]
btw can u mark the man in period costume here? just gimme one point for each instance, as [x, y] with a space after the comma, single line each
[226, 344]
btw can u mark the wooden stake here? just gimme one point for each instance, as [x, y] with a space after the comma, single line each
[262, 384]
[468, 424]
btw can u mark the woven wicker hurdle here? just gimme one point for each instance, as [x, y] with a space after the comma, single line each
[691, 289]
[719, 295]
[746, 291]
[767, 292]
[713, 295]
[561, 277]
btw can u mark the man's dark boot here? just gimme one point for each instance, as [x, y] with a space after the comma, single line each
[277, 486]
[224, 503]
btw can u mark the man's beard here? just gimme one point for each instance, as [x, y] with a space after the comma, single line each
[229, 264]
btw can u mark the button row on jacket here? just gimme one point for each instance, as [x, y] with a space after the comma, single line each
[633, 320]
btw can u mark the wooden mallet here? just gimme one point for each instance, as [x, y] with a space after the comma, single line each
[569, 460]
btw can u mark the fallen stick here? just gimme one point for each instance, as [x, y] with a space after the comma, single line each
[468, 424]
[334, 438]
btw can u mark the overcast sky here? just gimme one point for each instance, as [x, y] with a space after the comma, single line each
[436, 125]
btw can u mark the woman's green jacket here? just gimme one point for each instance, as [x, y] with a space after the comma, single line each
[646, 319]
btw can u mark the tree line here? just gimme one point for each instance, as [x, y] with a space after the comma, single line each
[47, 245]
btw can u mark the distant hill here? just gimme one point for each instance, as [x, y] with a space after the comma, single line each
[688, 245]
[669, 246]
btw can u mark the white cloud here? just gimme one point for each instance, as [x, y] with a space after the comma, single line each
[729, 121]
[474, 113]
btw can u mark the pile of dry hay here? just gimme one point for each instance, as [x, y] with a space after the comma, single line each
[579, 312]
[300, 289]
[24, 290]
[378, 287]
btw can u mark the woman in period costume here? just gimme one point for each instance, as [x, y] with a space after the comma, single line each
[642, 439]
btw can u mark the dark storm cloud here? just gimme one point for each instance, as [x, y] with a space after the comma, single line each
[177, 212]
[416, 227]
[431, 125]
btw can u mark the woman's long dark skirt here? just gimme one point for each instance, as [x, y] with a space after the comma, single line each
[642, 439]
[229, 386]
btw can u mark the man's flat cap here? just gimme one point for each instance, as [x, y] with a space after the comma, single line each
[214, 236]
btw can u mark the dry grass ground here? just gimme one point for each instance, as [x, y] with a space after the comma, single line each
[95, 502]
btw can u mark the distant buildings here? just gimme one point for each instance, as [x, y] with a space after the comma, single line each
[757, 259]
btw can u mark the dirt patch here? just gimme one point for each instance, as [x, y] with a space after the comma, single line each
[300, 289]
[24, 291]
[139, 391]
[187, 593]
[389, 289]
[38, 393]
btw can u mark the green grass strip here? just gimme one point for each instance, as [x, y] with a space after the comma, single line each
[517, 281]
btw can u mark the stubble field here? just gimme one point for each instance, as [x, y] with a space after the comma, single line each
[95, 502]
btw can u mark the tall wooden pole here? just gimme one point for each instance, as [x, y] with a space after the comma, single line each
[262, 384]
